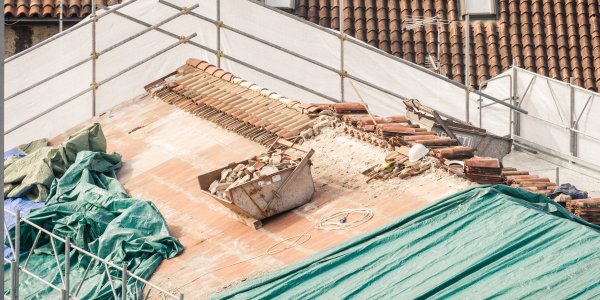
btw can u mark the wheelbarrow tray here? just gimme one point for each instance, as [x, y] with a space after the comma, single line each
[258, 199]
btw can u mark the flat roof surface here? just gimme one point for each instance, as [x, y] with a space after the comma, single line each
[164, 149]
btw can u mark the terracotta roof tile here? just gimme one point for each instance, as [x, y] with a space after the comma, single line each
[556, 38]
[245, 108]
[50, 8]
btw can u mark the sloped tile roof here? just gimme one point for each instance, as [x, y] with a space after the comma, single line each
[51, 8]
[559, 38]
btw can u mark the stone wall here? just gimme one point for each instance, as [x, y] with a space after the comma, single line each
[19, 37]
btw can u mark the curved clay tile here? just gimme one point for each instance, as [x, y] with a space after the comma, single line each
[348, 17]
[22, 8]
[527, 38]
[480, 49]
[445, 54]
[371, 23]
[73, 11]
[313, 11]
[419, 33]
[440, 9]
[431, 34]
[573, 42]
[456, 50]
[219, 73]
[324, 13]
[335, 15]
[383, 27]
[494, 62]
[35, 9]
[302, 9]
[359, 20]
[395, 28]
[9, 9]
[452, 12]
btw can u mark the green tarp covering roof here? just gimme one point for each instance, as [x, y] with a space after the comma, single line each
[32, 175]
[487, 241]
[89, 205]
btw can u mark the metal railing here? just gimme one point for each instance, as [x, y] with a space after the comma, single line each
[568, 123]
[67, 289]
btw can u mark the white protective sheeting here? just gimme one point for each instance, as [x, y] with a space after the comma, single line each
[548, 103]
[76, 46]
[494, 117]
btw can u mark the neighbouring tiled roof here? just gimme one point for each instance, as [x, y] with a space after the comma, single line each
[51, 8]
[236, 104]
[559, 38]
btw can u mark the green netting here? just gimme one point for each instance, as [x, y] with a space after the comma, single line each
[485, 242]
[32, 175]
[89, 205]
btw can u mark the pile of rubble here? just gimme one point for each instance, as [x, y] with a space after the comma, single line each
[397, 131]
[587, 209]
[398, 165]
[255, 168]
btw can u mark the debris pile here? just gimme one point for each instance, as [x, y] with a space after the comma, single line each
[524, 180]
[484, 170]
[587, 209]
[259, 166]
[398, 165]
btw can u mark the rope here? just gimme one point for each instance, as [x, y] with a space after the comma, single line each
[339, 220]
[327, 223]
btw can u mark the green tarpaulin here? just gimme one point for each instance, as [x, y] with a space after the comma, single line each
[32, 175]
[89, 205]
[485, 242]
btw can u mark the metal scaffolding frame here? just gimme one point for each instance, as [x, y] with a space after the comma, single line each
[568, 123]
[68, 289]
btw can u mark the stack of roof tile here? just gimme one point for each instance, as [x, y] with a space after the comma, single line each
[484, 170]
[587, 209]
[555, 38]
[51, 8]
[240, 106]
[524, 180]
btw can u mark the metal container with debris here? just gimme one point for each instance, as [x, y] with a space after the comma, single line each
[255, 196]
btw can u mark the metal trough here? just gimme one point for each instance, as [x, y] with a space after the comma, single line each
[268, 195]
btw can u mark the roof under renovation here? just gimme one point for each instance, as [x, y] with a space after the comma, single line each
[165, 149]
[559, 38]
[200, 118]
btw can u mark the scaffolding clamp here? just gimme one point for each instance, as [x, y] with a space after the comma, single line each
[185, 10]
[183, 39]
[94, 86]
[94, 55]
[219, 24]
[343, 73]
[220, 53]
